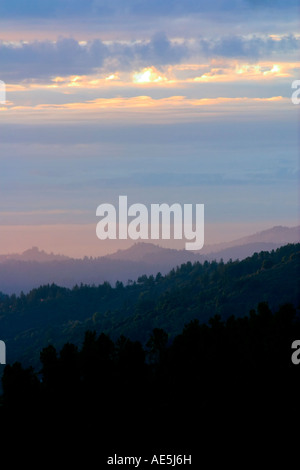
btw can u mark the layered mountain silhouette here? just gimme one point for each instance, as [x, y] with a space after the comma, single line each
[51, 314]
[208, 341]
[278, 235]
[23, 272]
[33, 254]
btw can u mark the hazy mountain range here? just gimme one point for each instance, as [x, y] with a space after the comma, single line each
[33, 267]
[50, 314]
[33, 254]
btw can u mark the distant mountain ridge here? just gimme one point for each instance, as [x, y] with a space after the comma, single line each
[33, 254]
[278, 235]
[23, 272]
[54, 314]
[152, 254]
[144, 251]
[240, 248]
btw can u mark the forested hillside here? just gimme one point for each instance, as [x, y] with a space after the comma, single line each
[52, 314]
[232, 379]
[165, 365]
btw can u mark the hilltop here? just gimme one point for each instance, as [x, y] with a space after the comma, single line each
[26, 271]
[56, 314]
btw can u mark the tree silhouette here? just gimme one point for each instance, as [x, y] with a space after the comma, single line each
[157, 345]
[20, 387]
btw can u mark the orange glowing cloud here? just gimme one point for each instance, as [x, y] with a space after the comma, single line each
[169, 77]
[237, 72]
[148, 75]
[140, 103]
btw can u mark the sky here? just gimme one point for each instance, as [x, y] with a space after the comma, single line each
[163, 101]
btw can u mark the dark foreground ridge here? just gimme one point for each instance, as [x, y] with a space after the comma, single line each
[56, 315]
[213, 388]
[215, 385]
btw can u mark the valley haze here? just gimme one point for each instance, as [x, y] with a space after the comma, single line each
[34, 267]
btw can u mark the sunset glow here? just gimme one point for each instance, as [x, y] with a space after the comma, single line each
[148, 103]
[148, 75]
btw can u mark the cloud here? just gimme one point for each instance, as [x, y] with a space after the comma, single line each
[273, 4]
[175, 120]
[40, 59]
[141, 19]
[254, 48]
[100, 8]
[66, 56]
[158, 51]
[161, 51]
[51, 8]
